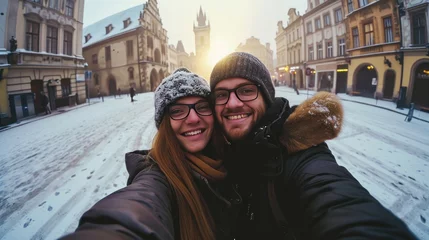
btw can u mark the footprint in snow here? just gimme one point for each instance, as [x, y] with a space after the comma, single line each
[27, 223]
[57, 193]
[74, 175]
[43, 203]
[422, 219]
[84, 169]
[400, 183]
[412, 178]
[50, 208]
[104, 160]
[115, 185]
[100, 177]
[89, 177]
[91, 172]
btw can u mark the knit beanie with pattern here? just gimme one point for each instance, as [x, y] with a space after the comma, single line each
[247, 66]
[182, 83]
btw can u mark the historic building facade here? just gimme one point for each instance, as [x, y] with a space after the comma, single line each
[373, 44]
[294, 50]
[172, 58]
[127, 49]
[262, 52]
[414, 17]
[281, 73]
[324, 46]
[42, 43]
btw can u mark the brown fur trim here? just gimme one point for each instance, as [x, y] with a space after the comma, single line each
[314, 121]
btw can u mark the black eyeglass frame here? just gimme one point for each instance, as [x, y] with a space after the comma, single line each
[235, 92]
[190, 106]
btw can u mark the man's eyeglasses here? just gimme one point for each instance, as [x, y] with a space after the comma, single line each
[245, 93]
[181, 111]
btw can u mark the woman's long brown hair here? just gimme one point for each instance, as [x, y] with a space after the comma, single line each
[195, 221]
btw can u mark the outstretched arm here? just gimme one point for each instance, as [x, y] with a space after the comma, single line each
[335, 205]
[142, 210]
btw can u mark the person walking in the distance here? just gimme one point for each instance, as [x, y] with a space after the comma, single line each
[132, 93]
[45, 103]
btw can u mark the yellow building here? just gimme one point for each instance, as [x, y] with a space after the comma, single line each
[44, 54]
[415, 51]
[262, 52]
[373, 43]
[127, 49]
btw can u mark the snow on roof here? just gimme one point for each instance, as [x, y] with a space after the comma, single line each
[98, 30]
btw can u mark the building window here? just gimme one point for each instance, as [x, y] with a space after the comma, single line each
[338, 15]
[69, 8]
[419, 28]
[52, 40]
[87, 37]
[309, 27]
[329, 50]
[355, 34]
[131, 73]
[369, 34]
[109, 28]
[130, 49]
[65, 87]
[107, 53]
[35, 1]
[316, 3]
[388, 32]
[363, 3]
[317, 24]
[310, 53]
[68, 39]
[350, 5]
[94, 59]
[54, 4]
[32, 36]
[327, 20]
[127, 23]
[297, 32]
[341, 47]
[319, 51]
[299, 55]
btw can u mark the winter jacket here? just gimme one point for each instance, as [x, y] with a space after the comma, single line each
[146, 208]
[318, 198]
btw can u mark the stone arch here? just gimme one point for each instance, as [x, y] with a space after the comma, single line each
[112, 84]
[419, 84]
[153, 80]
[389, 83]
[362, 80]
[157, 55]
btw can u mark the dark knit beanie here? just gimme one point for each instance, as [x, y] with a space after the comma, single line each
[182, 83]
[247, 66]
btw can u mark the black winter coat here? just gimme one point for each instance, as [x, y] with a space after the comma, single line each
[146, 208]
[319, 198]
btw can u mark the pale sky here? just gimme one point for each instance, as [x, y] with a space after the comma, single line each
[232, 21]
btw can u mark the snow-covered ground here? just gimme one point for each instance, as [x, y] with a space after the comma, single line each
[54, 169]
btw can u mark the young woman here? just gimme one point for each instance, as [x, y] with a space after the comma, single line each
[177, 189]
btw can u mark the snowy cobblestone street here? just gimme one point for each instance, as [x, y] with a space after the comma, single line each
[54, 169]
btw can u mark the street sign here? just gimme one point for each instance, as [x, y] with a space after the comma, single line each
[308, 71]
[80, 77]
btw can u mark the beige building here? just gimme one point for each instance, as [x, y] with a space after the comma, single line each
[46, 55]
[172, 59]
[262, 52]
[281, 72]
[415, 53]
[294, 50]
[127, 49]
[324, 46]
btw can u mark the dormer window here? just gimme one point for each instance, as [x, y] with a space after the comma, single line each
[127, 22]
[109, 28]
[87, 37]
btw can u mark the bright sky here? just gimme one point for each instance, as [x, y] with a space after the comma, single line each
[232, 21]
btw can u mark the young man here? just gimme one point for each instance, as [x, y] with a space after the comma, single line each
[291, 185]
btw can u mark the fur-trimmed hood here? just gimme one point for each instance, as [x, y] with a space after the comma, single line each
[314, 121]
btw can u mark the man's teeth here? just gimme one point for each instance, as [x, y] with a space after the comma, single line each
[237, 117]
[193, 133]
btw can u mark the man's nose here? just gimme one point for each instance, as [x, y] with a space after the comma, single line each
[193, 117]
[233, 101]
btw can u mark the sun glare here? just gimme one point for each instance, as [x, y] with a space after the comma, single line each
[218, 50]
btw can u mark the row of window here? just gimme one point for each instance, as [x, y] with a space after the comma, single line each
[338, 15]
[33, 37]
[67, 5]
[329, 51]
[369, 33]
[361, 3]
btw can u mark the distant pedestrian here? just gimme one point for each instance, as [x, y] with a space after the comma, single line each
[98, 94]
[45, 103]
[294, 87]
[119, 92]
[132, 93]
